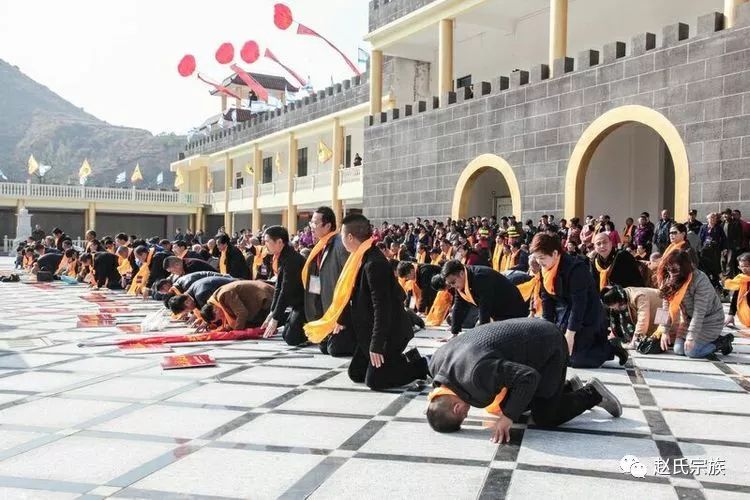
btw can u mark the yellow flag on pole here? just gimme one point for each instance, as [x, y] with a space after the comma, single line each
[249, 169]
[178, 180]
[33, 165]
[85, 169]
[137, 176]
[324, 152]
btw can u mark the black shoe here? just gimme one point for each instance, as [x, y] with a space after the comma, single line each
[575, 383]
[609, 401]
[412, 355]
[620, 351]
[724, 344]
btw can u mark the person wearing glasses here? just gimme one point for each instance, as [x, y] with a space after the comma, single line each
[692, 315]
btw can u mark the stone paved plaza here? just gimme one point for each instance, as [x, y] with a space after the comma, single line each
[272, 421]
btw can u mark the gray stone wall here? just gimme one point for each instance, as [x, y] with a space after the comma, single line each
[383, 12]
[415, 154]
[338, 97]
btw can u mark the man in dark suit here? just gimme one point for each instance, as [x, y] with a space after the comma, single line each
[289, 291]
[496, 297]
[518, 364]
[198, 293]
[421, 275]
[231, 261]
[59, 237]
[182, 249]
[180, 267]
[155, 266]
[48, 262]
[377, 317]
[105, 269]
[324, 266]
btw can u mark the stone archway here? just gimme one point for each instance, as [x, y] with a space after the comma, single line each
[600, 129]
[467, 180]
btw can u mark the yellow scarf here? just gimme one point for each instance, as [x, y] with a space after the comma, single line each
[527, 289]
[317, 249]
[549, 276]
[124, 266]
[421, 256]
[510, 260]
[223, 262]
[72, 269]
[141, 277]
[415, 286]
[497, 254]
[63, 264]
[673, 247]
[741, 282]
[446, 256]
[406, 285]
[229, 321]
[260, 253]
[493, 408]
[435, 261]
[603, 273]
[675, 301]
[275, 265]
[466, 292]
[440, 308]
[317, 331]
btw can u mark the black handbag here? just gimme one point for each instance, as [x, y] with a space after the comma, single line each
[650, 345]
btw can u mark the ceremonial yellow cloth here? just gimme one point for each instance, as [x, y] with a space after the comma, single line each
[497, 254]
[141, 277]
[675, 301]
[440, 308]
[740, 283]
[228, 321]
[317, 331]
[421, 256]
[317, 249]
[493, 407]
[549, 276]
[466, 292]
[223, 263]
[603, 273]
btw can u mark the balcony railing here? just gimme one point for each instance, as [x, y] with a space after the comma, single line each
[352, 174]
[267, 189]
[241, 194]
[85, 193]
[306, 183]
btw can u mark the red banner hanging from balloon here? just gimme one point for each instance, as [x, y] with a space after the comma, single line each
[218, 87]
[270, 55]
[251, 82]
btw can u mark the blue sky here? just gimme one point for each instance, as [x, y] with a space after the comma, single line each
[118, 60]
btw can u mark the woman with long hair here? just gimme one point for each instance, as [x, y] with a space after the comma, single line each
[692, 312]
[570, 299]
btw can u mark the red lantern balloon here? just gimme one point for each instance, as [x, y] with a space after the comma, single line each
[250, 52]
[225, 53]
[282, 16]
[187, 65]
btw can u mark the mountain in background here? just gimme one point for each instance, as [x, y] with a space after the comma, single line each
[37, 121]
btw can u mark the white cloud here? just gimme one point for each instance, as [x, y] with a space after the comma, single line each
[118, 60]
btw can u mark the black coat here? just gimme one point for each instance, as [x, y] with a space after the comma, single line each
[376, 311]
[194, 255]
[576, 303]
[625, 270]
[183, 282]
[496, 297]
[156, 268]
[425, 273]
[196, 265]
[528, 356]
[105, 270]
[236, 265]
[289, 290]
[202, 289]
[49, 262]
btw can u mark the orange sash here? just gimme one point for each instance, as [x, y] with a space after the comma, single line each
[260, 253]
[421, 256]
[27, 262]
[493, 408]
[223, 262]
[63, 264]
[466, 292]
[673, 247]
[317, 331]
[415, 286]
[275, 265]
[124, 266]
[497, 254]
[603, 273]
[675, 301]
[549, 276]
[440, 308]
[229, 321]
[741, 282]
[141, 277]
[317, 249]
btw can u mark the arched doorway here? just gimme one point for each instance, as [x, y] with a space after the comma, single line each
[487, 186]
[628, 160]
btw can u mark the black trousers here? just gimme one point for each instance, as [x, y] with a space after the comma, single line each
[562, 404]
[293, 332]
[591, 348]
[395, 371]
[339, 345]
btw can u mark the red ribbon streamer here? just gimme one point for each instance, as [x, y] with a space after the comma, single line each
[249, 334]
[304, 30]
[219, 88]
[289, 70]
[251, 82]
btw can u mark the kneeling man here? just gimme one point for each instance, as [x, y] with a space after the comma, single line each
[514, 365]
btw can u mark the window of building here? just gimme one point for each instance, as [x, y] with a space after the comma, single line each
[239, 181]
[348, 152]
[302, 162]
[464, 81]
[267, 170]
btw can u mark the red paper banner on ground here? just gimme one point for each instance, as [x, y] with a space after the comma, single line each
[130, 328]
[234, 335]
[145, 348]
[187, 361]
[113, 310]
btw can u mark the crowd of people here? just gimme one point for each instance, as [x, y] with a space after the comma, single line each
[530, 299]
